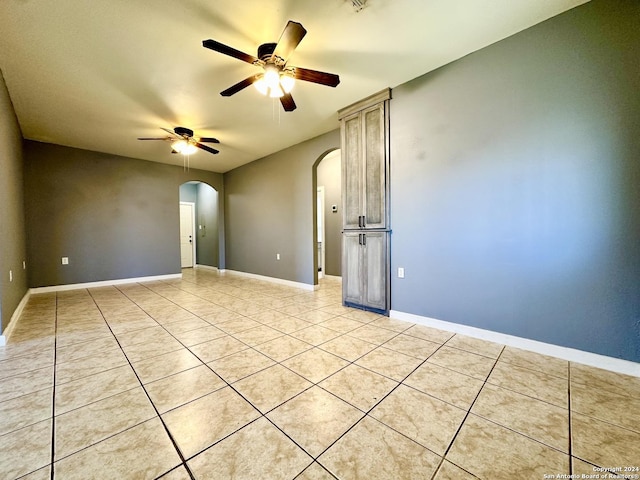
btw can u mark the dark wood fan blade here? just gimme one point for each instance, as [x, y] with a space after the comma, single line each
[291, 36]
[232, 52]
[240, 85]
[323, 78]
[207, 149]
[171, 132]
[209, 140]
[163, 138]
[287, 102]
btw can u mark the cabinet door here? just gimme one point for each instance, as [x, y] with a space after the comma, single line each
[375, 166]
[375, 266]
[352, 271]
[352, 171]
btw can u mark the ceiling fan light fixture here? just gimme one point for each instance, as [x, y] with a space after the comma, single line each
[261, 86]
[271, 84]
[276, 92]
[179, 145]
[189, 149]
[184, 147]
[287, 82]
[271, 76]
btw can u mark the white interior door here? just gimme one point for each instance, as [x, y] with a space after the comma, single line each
[321, 233]
[187, 234]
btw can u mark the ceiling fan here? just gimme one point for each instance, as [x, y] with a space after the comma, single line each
[278, 78]
[182, 141]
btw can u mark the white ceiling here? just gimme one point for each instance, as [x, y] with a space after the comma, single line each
[97, 74]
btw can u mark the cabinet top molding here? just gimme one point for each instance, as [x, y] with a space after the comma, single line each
[381, 96]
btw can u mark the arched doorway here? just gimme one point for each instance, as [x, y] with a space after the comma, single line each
[202, 201]
[328, 205]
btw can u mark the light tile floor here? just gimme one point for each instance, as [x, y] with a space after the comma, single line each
[216, 377]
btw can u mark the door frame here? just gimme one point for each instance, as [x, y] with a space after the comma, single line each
[322, 226]
[314, 197]
[193, 234]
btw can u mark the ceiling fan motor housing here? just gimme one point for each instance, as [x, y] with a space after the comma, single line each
[265, 50]
[185, 132]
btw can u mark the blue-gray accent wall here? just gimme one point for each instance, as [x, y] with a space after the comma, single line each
[515, 185]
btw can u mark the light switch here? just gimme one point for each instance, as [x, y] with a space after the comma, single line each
[400, 272]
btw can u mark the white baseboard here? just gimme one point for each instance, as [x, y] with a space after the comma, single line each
[571, 354]
[105, 283]
[14, 319]
[332, 277]
[280, 281]
[207, 267]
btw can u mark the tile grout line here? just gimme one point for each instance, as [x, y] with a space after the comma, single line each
[53, 395]
[175, 445]
[453, 439]
[367, 412]
[315, 462]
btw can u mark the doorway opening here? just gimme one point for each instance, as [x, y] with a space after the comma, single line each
[328, 221]
[321, 236]
[187, 234]
[199, 229]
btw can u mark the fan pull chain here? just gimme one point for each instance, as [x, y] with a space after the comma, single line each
[275, 107]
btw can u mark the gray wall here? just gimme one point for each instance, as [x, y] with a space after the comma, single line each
[329, 174]
[269, 209]
[12, 229]
[515, 185]
[114, 217]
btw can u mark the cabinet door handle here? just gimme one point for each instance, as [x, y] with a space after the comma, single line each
[360, 221]
[364, 239]
[359, 239]
[364, 221]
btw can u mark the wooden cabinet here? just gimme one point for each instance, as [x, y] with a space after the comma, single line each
[365, 199]
[365, 269]
[365, 167]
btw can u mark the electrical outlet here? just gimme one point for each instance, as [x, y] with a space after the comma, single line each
[277, 256]
[65, 260]
[400, 272]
